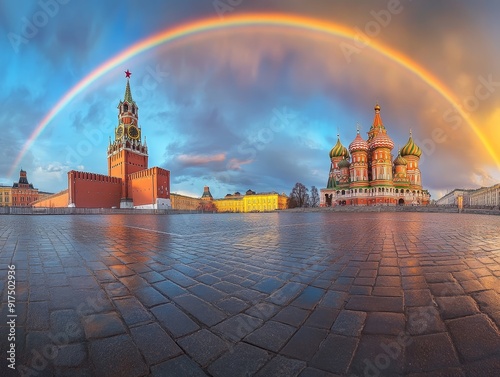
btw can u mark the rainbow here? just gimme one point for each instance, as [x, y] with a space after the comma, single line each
[216, 23]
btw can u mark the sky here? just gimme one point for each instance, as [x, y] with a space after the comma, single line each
[256, 106]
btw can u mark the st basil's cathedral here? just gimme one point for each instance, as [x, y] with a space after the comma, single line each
[365, 174]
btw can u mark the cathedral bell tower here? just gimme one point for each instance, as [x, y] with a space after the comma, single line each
[126, 153]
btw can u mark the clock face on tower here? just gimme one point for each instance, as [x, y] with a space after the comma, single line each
[119, 132]
[133, 132]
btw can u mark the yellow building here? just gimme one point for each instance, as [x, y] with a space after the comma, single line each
[251, 202]
[5, 196]
[183, 202]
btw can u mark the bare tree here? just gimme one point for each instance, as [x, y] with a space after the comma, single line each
[207, 206]
[314, 200]
[299, 196]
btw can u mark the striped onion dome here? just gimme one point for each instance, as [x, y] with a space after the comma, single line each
[381, 140]
[358, 144]
[339, 150]
[411, 149]
[344, 164]
[400, 160]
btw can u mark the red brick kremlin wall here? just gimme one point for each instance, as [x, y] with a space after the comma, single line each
[54, 201]
[147, 185]
[91, 190]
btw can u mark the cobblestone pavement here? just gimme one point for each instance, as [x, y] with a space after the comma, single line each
[281, 294]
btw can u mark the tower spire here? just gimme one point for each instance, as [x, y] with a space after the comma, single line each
[128, 93]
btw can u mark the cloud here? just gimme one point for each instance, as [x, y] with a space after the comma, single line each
[235, 164]
[196, 160]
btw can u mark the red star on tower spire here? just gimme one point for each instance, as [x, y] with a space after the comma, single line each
[127, 74]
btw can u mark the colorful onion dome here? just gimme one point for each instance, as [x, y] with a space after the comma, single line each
[400, 160]
[344, 163]
[411, 149]
[339, 150]
[381, 140]
[358, 144]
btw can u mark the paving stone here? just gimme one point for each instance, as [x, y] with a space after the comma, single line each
[210, 280]
[67, 325]
[342, 284]
[225, 286]
[201, 310]
[291, 315]
[286, 293]
[271, 336]
[446, 289]
[245, 360]
[71, 355]
[389, 271]
[281, 366]
[471, 286]
[154, 343]
[313, 372]
[116, 289]
[152, 277]
[83, 282]
[366, 273]
[334, 299]
[268, 285]
[484, 367]
[38, 316]
[203, 346]
[387, 291]
[187, 270]
[237, 327]
[418, 297]
[207, 293]
[370, 281]
[117, 356]
[424, 320]
[427, 353]
[170, 289]
[388, 281]
[105, 276]
[263, 310]
[180, 366]
[121, 270]
[349, 323]
[174, 320]
[456, 306]
[132, 311]
[475, 337]
[335, 354]
[134, 282]
[384, 323]
[150, 297]
[309, 298]
[179, 278]
[249, 295]
[489, 301]
[103, 325]
[360, 290]
[322, 318]
[414, 282]
[375, 304]
[379, 355]
[304, 343]
[491, 282]
[232, 305]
